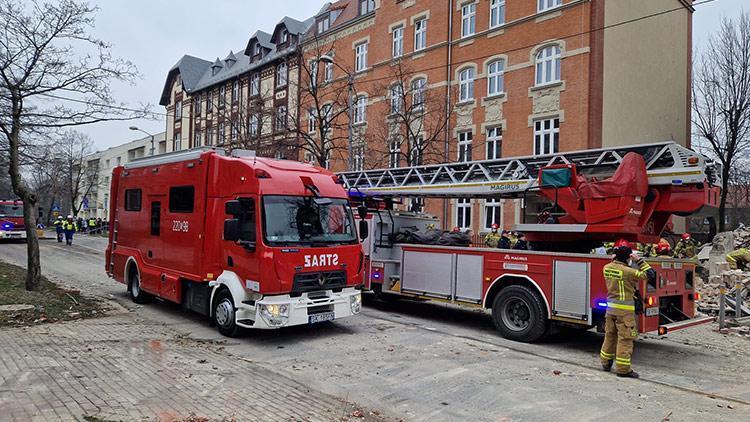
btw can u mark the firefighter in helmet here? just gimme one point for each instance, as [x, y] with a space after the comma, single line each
[620, 330]
[504, 242]
[493, 238]
[738, 259]
[70, 227]
[686, 247]
[59, 230]
[521, 244]
[663, 248]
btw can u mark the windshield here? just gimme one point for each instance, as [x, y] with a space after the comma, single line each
[8, 210]
[307, 220]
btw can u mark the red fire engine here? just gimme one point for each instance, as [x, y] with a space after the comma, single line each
[11, 220]
[574, 201]
[250, 242]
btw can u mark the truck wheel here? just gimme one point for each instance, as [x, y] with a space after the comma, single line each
[137, 294]
[224, 314]
[518, 313]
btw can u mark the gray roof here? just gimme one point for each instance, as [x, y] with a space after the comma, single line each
[293, 26]
[191, 70]
[263, 38]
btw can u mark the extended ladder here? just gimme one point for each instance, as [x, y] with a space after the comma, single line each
[667, 163]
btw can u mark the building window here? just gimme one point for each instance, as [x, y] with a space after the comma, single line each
[222, 96]
[360, 110]
[327, 111]
[255, 84]
[359, 158]
[280, 118]
[177, 142]
[253, 125]
[398, 42]
[197, 141]
[313, 73]
[466, 85]
[417, 92]
[497, 13]
[209, 102]
[197, 101]
[543, 5]
[463, 213]
[546, 136]
[492, 213]
[548, 65]
[234, 131]
[366, 6]
[394, 153]
[494, 143]
[416, 152]
[397, 94]
[329, 72]
[209, 137]
[311, 120]
[281, 75]
[178, 110]
[235, 91]
[464, 146]
[495, 78]
[361, 57]
[284, 36]
[420, 34]
[468, 20]
[221, 135]
[324, 24]
[258, 49]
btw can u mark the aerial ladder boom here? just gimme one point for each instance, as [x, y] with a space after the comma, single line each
[628, 191]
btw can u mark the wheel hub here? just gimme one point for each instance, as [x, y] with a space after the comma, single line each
[224, 313]
[516, 314]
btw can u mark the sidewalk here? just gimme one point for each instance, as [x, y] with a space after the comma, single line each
[123, 368]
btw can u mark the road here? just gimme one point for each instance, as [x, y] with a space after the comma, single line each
[422, 361]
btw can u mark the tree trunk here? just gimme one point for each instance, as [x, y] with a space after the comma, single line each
[33, 265]
[723, 198]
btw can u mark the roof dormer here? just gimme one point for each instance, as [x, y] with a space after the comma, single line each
[258, 46]
[216, 67]
[230, 60]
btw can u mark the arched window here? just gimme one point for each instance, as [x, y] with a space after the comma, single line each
[466, 85]
[548, 65]
[495, 78]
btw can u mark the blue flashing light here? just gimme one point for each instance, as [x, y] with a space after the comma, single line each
[376, 276]
[677, 182]
[7, 226]
[601, 304]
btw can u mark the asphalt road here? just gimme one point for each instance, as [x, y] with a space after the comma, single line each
[422, 361]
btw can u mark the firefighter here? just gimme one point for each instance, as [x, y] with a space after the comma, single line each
[70, 227]
[738, 259]
[620, 330]
[686, 247]
[492, 239]
[504, 242]
[663, 248]
[91, 225]
[59, 228]
[521, 243]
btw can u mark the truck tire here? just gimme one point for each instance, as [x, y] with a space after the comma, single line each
[518, 313]
[224, 314]
[137, 294]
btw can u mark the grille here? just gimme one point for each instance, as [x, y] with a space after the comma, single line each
[327, 280]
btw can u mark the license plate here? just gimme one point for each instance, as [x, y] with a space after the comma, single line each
[652, 312]
[15, 235]
[326, 316]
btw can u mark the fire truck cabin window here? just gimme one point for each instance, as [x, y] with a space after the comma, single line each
[181, 199]
[132, 200]
[307, 220]
[247, 219]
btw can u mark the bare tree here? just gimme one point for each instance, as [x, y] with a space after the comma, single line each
[80, 175]
[53, 74]
[721, 99]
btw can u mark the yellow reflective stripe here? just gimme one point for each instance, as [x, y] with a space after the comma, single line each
[731, 259]
[613, 273]
[622, 360]
[622, 289]
[640, 274]
[621, 306]
[606, 355]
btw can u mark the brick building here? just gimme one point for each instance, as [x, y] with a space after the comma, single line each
[453, 80]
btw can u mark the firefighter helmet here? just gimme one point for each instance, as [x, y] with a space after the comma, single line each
[686, 236]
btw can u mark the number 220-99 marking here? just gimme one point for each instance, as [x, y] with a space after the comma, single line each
[180, 226]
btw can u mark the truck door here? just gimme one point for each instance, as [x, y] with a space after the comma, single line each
[242, 256]
[153, 250]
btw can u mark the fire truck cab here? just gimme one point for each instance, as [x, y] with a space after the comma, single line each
[250, 242]
[11, 221]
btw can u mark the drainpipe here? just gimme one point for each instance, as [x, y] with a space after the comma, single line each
[448, 78]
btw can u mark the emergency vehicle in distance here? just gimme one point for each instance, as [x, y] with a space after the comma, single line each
[250, 242]
[11, 220]
[574, 201]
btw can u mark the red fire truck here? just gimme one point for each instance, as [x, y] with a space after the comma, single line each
[570, 203]
[11, 220]
[250, 242]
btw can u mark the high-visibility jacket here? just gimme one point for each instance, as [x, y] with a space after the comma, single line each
[738, 259]
[622, 282]
[70, 225]
[491, 240]
[59, 223]
[92, 222]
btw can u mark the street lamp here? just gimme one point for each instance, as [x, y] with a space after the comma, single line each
[136, 128]
[325, 58]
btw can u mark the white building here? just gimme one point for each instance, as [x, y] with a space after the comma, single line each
[96, 204]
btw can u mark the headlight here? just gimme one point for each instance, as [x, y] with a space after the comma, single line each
[275, 315]
[355, 302]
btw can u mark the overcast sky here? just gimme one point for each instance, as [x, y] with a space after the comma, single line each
[155, 34]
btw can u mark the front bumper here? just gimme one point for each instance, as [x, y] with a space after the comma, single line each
[300, 309]
[12, 234]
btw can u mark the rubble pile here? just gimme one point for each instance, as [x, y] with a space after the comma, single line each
[742, 237]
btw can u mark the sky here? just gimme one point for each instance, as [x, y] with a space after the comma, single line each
[154, 34]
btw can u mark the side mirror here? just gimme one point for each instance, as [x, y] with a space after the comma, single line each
[364, 230]
[233, 207]
[232, 229]
[362, 212]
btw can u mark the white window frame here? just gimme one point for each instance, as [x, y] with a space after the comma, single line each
[313, 73]
[360, 57]
[255, 84]
[544, 5]
[358, 161]
[493, 213]
[210, 102]
[396, 100]
[177, 144]
[284, 36]
[416, 155]
[366, 6]
[329, 72]
[258, 49]
[468, 20]
[546, 136]
[497, 13]
[198, 105]
[548, 65]
[281, 118]
[253, 125]
[221, 134]
[282, 74]
[394, 153]
[494, 143]
[397, 46]
[235, 91]
[222, 96]
[209, 137]
[463, 213]
[312, 121]
[465, 141]
[234, 132]
[197, 139]
[496, 77]
[418, 87]
[324, 24]
[360, 110]
[178, 110]
[420, 34]
[327, 111]
[466, 85]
